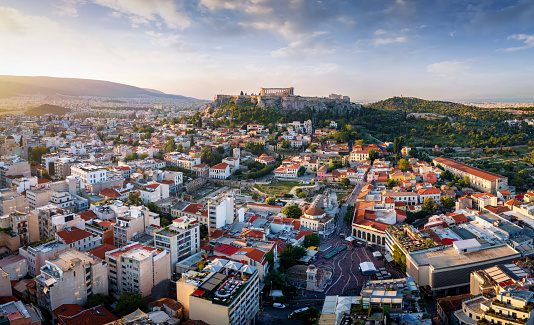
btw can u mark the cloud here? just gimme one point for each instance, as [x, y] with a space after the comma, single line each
[448, 67]
[379, 32]
[311, 46]
[528, 41]
[143, 12]
[390, 40]
[67, 7]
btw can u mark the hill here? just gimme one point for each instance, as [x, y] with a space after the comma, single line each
[47, 109]
[411, 104]
[17, 85]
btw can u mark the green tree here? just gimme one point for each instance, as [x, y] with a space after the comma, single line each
[311, 240]
[64, 135]
[134, 199]
[130, 302]
[286, 144]
[290, 256]
[345, 182]
[255, 196]
[191, 142]
[391, 183]
[277, 279]
[98, 299]
[292, 211]
[429, 206]
[302, 195]
[310, 316]
[447, 202]
[270, 200]
[269, 257]
[373, 155]
[170, 146]
[301, 171]
[404, 164]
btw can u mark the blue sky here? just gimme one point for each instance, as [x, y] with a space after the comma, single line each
[367, 49]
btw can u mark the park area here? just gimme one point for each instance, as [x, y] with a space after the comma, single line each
[277, 187]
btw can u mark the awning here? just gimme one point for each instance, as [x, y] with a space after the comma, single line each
[388, 258]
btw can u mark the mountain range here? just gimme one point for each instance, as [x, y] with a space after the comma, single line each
[21, 85]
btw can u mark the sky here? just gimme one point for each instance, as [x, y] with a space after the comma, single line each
[366, 49]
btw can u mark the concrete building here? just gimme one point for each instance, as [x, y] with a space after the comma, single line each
[38, 197]
[446, 268]
[14, 265]
[5, 284]
[131, 222]
[45, 221]
[138, 268]
[69, 278]
[13, 168]
[181, 239]
[228, 290]
[78, 239]
[481, 180]
[37, 256]
[154, 192]
[11, 201]
[89, 173]
[222, 211]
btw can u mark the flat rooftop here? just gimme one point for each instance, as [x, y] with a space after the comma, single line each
[449, 257]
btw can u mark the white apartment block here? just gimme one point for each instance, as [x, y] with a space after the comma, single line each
[154, 192]
[78, 239]
[69, 278]
[181, 160]
[37, 256]
[181, 239]
[222, 210]
[131, 222]
[137, 268]
[89, 173]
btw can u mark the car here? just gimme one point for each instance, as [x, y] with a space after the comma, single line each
[279, 305]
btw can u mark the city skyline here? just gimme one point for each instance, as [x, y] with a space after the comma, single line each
[449, 50]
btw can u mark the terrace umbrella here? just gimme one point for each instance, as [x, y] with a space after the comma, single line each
[214, 268]
[220, 262]
[247, 269]
[233, 265]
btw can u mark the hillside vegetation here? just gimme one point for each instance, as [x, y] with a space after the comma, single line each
[18, 85]
[47, 109]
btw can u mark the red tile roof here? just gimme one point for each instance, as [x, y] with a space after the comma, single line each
[98, 315]
[220, 166]
[88, 215]
[111, 193]
[226, 249]
[101, 250]
[73, 234]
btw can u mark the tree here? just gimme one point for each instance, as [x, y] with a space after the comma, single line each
[301, 171]
[345, 182]
[269, 257]
[429, 205]
[447, 202]
[134, 199]
[292, 211]
[313, 148]
[373, 155]
[255, 196]
[98, 299]
[349, 214]
[302, 195]
[170, 146]
[290, 256]
[270, 200]
[391, 183]
[404, 164]
[277, 279]
[311, 240]
[309, 316]
[64, 135]
[286, 144]
[130, 302]
[191, 142]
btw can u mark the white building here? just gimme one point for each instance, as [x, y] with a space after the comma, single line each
[154, 192]
[220, 171]
[181, 239]
[78, 239]
[137, 268]
[89, 173]
[222, 211]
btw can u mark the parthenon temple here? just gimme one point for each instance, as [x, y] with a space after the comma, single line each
[276, 91]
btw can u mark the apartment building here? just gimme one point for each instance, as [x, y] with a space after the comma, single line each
[89, 173]
[228, 290]
[45, 221]
[222, 211]
[38, 197]
[78, 239]
[181, 239]
[69, 278]
[37, 256]
[137, 268]
[154, 192]
[13, 167]
[131, 222]
[181, 160]
[481, 180]
[11, 201]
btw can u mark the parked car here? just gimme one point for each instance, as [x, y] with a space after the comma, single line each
[279, 305]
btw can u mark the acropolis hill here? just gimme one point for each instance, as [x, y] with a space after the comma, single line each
[286, 100]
